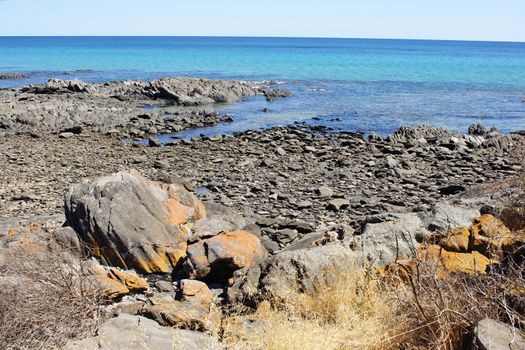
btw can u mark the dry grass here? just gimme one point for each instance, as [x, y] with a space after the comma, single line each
[360, 312]
[44, 301]
[351, 313]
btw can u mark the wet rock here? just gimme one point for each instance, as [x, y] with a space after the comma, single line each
[139, 333]
[272, 95]
[152, 239]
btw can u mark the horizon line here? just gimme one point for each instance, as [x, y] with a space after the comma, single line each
[257, 36]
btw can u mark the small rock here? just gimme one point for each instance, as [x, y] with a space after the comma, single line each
[338, 204]
[154, 142]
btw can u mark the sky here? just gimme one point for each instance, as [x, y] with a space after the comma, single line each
[499, 20]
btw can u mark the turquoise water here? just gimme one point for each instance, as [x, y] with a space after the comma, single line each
[347, 84]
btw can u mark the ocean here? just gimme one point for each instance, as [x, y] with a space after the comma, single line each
[361, 85]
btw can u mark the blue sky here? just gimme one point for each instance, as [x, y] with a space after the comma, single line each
[418, 19]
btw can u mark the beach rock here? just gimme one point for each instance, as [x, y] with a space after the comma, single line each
[272, 95]
[167, 311]
[13, 76]
[494, 335]
[218, 257]
[397, 236]
[195, 291]
[114, 282]
[130, 222]
[193, 92]
[477, 129]
[139, 333]
[298, 270]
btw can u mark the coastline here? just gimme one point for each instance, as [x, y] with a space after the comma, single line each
[194, 228]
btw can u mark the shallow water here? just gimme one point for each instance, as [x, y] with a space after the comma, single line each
[348, 84]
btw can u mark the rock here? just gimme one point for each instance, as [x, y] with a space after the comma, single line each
[494, 335]
[66, 135]
[477, 129]
[167, 311]
[154, 142]
[113, 282]
[272, 95]
[139, 333]
[67, 238]
[165, 286]
[489, 233]
[324, 192]
[338, 204]
[133, 223]
[452, 262]
[218, 219]
[299, 270]
[398, 236]
[13, 76]
[196, 291]
[218, 257]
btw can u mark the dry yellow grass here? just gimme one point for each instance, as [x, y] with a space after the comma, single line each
[351, 313]
[360, 312]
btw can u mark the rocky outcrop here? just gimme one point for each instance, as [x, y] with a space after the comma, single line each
[299, 270]
[13, 76]
[397, 236]
[113, 282]
[139, 333]
[117, 107]
[132, 223]
[272, 95]
[163, 308]
[494, 335]
[218, 257]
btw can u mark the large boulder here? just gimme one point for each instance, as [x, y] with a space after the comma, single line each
[397, 236]
[218, 257]
[494, 335]
[132, 223]
[139, 333]
[295, 270]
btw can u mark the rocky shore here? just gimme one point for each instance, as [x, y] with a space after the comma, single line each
[73, 106]
[169, 239]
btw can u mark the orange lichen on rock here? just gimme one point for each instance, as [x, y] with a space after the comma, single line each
[177, 213]
[132, 281]
[453, 262]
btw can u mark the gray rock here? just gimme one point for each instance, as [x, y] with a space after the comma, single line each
[494, 335]
[218, 257]
[324, 192]
[13, 76]
[299, 270]
[131, 222]
[398, 235]
[139, 333]
[338, 204]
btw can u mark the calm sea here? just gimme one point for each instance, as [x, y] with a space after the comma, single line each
[347, 84]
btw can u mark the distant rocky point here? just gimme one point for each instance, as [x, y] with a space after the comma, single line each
[13, 76]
